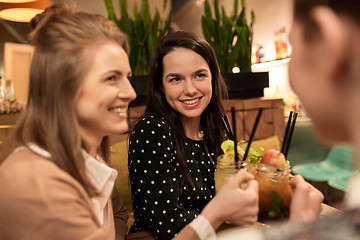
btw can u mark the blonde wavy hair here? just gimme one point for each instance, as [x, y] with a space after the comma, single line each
[65, 42]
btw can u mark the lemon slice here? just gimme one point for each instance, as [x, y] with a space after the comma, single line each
[241, 151]
[227, 146]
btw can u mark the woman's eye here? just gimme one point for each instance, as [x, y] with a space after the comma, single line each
[175, 79]
[201, 75]
[111, 78]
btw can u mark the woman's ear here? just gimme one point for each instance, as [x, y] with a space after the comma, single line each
[333, 39]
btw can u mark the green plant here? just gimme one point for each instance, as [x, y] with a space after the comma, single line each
[230, 36]
[143, 31]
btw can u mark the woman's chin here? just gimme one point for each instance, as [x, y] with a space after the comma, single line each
[120, 129]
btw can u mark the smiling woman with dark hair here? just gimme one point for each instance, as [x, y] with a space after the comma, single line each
[174, 146]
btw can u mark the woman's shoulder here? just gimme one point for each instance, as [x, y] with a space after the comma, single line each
[24, 169]
[151, 129]
[22, 158]
[151, 120]
[150, 123]
[39, 190]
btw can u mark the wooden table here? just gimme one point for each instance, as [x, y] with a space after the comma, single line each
[228, 231]
[147, 235]
[328, 210]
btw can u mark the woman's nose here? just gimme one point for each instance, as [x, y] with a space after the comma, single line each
[190, 88]
[127, 91]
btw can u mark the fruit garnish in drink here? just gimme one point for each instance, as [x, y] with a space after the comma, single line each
[275, 158]
[228, 147]
[277, 210]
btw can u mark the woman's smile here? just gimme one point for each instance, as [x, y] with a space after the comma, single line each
[120, 111]
[191, 103]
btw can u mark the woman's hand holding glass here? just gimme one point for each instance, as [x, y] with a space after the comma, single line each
[306, 200]
[235, 203]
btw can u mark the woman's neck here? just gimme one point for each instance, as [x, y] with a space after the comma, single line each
[92, 149]
[192, 128]
[92, 143]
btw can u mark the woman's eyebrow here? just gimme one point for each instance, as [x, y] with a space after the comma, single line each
[201, 70]
[179, 74]
[173, 75]
[113, 72]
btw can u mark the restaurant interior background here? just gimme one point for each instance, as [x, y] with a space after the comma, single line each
[272, 17]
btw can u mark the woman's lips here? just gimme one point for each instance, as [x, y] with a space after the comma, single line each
[121, 111]
[191, 103]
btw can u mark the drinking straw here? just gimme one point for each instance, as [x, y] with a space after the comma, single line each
[228, 124]
[290, 135]
[227, 127]
[286, 133]
[235, 138]
[252, 133]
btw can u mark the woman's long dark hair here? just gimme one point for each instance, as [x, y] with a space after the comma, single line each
[158, 105]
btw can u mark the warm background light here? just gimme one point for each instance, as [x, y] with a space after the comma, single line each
[21, 11]
[16, 1]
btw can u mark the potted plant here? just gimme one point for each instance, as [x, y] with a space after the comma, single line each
[144, 33]
[231, 38]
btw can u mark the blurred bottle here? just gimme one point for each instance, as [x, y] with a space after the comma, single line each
[281, 44]
[2, 90]
[259, 54]
[9, 92]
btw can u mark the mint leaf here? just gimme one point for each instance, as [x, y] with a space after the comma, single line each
[276, 205]
[254, 155]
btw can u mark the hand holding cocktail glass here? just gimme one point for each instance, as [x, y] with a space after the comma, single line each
[306, 200]
[237, 200]
[272, 172]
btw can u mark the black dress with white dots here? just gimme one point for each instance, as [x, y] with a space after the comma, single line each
[155, 179]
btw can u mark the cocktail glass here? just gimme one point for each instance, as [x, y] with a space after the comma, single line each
[274, 191]
[225, 168]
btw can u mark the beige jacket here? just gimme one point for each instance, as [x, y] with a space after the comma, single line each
[40, 201]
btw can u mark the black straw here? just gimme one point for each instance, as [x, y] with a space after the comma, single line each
[231, 134]
[290, 135]
[235, 138]
[285, 139]
[252, 133]
[227, 127]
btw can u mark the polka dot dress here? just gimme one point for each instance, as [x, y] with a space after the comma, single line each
[155, 179]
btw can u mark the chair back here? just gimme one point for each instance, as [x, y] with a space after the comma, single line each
[119, 161]
[341, 157]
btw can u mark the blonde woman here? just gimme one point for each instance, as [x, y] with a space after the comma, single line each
[57, 183]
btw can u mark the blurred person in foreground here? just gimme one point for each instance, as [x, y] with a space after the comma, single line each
[325, 73]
